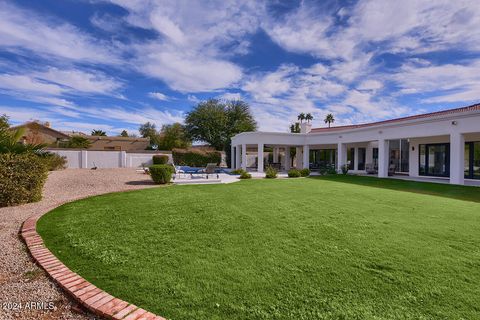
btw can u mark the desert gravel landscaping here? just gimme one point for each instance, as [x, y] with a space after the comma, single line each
[21, 281]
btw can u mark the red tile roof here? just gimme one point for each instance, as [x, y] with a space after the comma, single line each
[474, 107]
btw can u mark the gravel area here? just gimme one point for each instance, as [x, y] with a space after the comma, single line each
[21, 281]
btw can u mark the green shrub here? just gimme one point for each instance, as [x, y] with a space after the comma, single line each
[305, 172]
[54, 161]
[245, 175]
[22, 177]
[161, 173]
[344, 169]
[160, 159]
[331, 169]
[294, 173]
[195, 158]
[237, 171]
[270, 173]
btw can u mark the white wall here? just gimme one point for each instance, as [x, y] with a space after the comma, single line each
[106, 159]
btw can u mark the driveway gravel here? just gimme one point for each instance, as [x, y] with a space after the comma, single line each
[25, 290]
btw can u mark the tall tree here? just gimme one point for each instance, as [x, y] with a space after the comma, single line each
[329, 119]
[301, 117]
[98, 133]
[173, 136]
[149, 130]
[124, 133]
[216, 122]
[309, 117]
[295, 128]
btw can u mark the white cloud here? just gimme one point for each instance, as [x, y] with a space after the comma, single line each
[230, 96]
[158, 96]
[195, 40]
[26, 83]
[25, 30]
[370, 85]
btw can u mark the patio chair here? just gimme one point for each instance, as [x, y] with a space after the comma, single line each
[211, 168]
[370, 168]
[391, 170]
[178, 172]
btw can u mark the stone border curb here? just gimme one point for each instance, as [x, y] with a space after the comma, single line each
[94, 299]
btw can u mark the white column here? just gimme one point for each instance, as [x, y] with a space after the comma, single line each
[260, 158]
[457, 158]
[275, 154]
[342, 156]
[84, 159]
[306, 157]
[355, 159]
[383, 158]
[244, 157]
[238, 162]
[232, 157]
[123, 159]
[288, 160]
[298, 157]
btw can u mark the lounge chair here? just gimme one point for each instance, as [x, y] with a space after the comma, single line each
[211, 168]
[178, 172]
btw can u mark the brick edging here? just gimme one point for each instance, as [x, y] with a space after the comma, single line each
[91, 297]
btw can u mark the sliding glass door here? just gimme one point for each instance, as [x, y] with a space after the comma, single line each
[472, 160]
[399, 155]
[434, 160]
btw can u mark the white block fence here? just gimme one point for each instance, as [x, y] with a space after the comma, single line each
[85, 159]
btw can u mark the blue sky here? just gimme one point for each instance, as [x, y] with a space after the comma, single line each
[113, 65]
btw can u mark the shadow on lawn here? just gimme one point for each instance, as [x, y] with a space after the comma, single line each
[466, 193]
[140, 183]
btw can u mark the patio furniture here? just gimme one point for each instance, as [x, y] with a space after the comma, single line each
[391, 169]
[211, 168]
[178, 172]
[370, 168]
[276, 165]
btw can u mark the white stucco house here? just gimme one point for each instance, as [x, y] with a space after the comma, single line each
[444, 144]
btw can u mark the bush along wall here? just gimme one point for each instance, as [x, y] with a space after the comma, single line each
[160, 159]
[22, 177]
[161, 173]
[195, 158]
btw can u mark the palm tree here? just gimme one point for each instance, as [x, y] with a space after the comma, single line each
[301, 117]
[10, 142]
[98, 133]
[309, 117]
[329, 119]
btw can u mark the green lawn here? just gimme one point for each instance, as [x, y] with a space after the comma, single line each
[316, 248]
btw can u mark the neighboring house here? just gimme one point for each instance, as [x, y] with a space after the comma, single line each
[444, 144]
[118, 143]
[37, 133]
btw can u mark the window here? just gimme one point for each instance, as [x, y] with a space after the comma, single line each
[434, 159]
[112, 148]
[399, 154]
[362, 153]
[375, 158]
[351, 158]
[472, 160]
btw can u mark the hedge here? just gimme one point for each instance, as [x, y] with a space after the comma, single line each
[161, 173]
[195, 158]
[160, 159]
[22, 178]
[54, 161]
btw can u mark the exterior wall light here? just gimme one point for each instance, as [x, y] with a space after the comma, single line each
[454, 123]
[413, 148]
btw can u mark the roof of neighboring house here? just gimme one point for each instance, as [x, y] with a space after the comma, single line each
[73, 133]
[116, 138]
[474, 107]
[36, 124]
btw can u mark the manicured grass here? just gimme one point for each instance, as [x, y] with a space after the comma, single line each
[318, 248]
